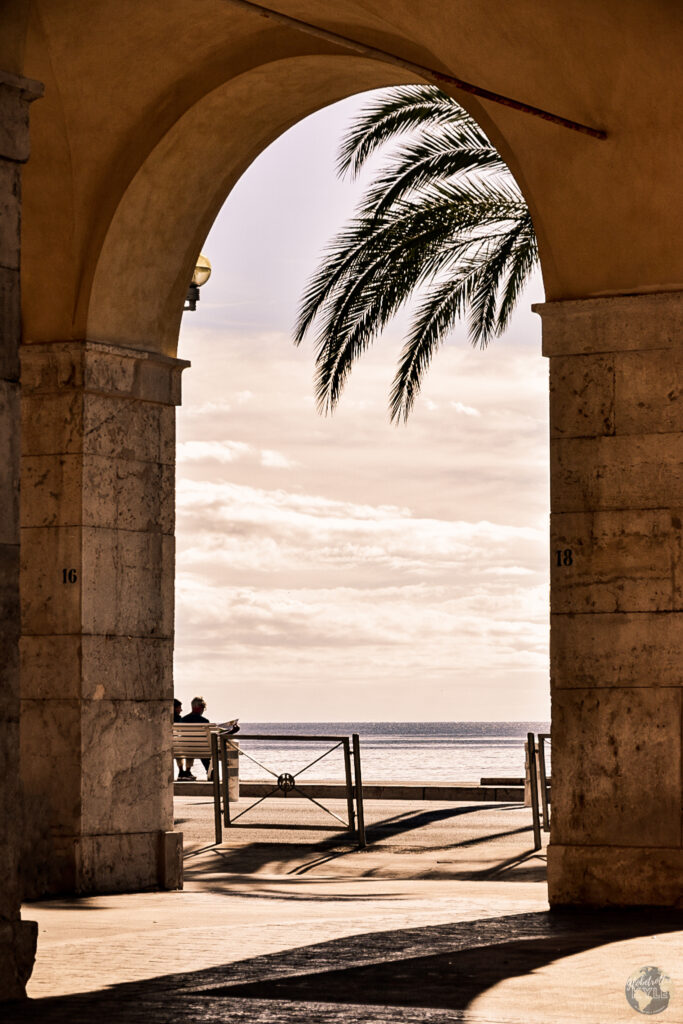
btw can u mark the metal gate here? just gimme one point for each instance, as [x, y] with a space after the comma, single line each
[285, 782]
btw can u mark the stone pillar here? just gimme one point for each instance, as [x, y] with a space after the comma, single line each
[97, 584]
[616, 422]
[17, 937]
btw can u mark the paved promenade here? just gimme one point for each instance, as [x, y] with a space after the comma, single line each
[444, 918]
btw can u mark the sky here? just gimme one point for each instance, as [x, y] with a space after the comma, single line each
[340, 567]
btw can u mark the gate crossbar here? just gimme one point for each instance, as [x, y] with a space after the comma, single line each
[229, 820]
[302, 770]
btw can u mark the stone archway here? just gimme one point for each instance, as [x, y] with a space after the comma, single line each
[125, 178]
[98, 496]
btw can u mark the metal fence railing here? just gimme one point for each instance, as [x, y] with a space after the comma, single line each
[538, 785]
[289, 782]
[543, 779]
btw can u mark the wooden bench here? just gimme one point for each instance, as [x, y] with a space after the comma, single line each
[192, 739]
[200, 740]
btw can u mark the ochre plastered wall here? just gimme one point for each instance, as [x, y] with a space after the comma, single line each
[122, 78]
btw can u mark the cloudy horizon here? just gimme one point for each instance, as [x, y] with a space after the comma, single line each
[341, 567]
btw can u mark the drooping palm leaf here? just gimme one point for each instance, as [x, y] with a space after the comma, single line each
[416, 170]
[395, 112]
[443, 209]
[355, 315]
[524, 259]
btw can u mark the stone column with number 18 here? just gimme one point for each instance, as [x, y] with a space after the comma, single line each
[616, 422]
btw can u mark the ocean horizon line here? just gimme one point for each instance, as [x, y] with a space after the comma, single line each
[400, 721]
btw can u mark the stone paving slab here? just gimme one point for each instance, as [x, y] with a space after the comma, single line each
[405, 840]
[533, 966]
[100, 941]
[400, 824]
[316, 941]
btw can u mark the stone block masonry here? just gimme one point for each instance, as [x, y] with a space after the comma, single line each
[17, 937]
[616, 640]
[97, 514]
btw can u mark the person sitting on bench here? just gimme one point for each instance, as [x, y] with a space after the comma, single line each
[196, 715]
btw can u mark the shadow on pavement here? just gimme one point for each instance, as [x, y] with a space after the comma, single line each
[442, 967]
[406, 822]
[257, 848]
[293, 860]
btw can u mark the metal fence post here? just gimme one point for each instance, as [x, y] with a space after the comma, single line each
[349, 786]
[360, 813]
[216, 788]
[531, 746]
[226, 781]
[542, 737]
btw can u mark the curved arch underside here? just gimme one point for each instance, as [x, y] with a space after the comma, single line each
[153, 111]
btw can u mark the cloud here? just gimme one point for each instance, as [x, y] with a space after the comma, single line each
[416, 651]
[333, 617]
[225, 452]
[216, 451]
[206, 409]
[298, 586]
[466, 410]
[275, 460]
[276, 530]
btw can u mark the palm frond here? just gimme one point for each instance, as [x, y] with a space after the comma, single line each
[435, 317]
[409, 175]
[360, 315]
[523, 259]
[439, 212]
[483, 306]
[395, 112]
[341, 256]
[376, 262]
[386, 270]
[444, 216]
[481, 319]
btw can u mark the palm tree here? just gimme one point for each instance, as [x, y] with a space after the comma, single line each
[444, 220]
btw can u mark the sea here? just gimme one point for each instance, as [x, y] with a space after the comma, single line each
[390, 751]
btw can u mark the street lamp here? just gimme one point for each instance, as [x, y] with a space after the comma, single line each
[202, 273]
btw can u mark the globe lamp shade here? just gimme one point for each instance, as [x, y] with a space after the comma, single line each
[202, 271]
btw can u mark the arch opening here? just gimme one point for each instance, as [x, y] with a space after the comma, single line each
[308, 478]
